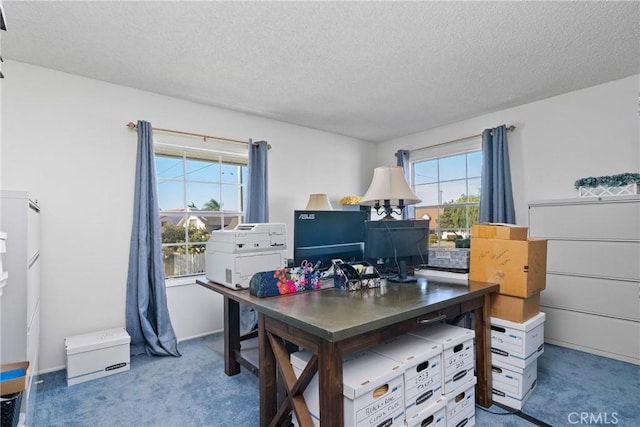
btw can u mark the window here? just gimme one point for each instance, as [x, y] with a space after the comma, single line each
[449, 186]
[197, 193]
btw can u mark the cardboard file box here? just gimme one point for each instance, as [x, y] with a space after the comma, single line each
[512, 386]
[14, 378]
[421, 363]
[461, 406]
[96, 355]
[373, 389]
[517, 344]
[434, 415]
[499, 231]
[458, 353]
[514, 309]
[518, 266]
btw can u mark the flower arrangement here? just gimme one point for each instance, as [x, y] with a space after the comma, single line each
[609, 181]
[350, 200]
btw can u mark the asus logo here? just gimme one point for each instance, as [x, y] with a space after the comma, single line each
[307, 216]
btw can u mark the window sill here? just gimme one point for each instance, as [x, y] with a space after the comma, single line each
[182, 281]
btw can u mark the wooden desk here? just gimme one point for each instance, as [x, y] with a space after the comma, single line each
[332, 323]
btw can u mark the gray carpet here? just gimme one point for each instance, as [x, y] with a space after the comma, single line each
[574, 388]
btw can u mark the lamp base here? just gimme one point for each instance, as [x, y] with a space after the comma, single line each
[402, 276]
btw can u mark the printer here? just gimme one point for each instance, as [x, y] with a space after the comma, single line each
[233, 256]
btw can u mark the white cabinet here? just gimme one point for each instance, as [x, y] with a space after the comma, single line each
[592, 299]
[21, 296]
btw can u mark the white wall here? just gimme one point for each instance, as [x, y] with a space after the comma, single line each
[590, 132]
[64, 140]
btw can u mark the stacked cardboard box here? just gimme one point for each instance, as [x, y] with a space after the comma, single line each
[422, 365]
[458, 366]
[502, 254]
[515, 348]
[372, 385]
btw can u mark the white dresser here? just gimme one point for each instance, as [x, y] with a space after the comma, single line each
[592, 299]
[21, 296]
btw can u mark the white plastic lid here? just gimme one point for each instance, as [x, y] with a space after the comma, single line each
[96, 340]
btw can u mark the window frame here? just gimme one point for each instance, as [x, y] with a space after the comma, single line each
[438, 152]
[185, 153]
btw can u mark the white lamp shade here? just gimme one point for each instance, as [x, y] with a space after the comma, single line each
[318, 202]
[389, 183]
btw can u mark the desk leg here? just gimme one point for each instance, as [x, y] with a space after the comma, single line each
[268, 382]
[330, 384]
[231, 336]
[483, 353]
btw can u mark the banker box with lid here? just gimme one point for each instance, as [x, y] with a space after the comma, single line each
[96, 355]
[372, 386]
[517, 344]
[434, 415]
[461, 406]
[458, 353]
[421, 363]
[512, 386]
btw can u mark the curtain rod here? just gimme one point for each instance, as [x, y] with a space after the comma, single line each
[132, 125]
[509, 128]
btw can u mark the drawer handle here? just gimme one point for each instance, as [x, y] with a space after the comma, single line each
[435, 319]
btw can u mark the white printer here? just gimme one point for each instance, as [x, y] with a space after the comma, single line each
[233, 256]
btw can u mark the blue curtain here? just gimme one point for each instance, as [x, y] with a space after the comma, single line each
[257, 188]
[148, 321]
[402, 159]
[496, 196]
[257, 211]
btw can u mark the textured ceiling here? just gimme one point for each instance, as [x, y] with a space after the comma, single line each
[370, 70]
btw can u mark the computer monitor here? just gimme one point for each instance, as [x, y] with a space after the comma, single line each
[397, 247]
[321, 236]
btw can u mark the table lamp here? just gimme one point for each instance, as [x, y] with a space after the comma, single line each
[389, 191]
[318, 202]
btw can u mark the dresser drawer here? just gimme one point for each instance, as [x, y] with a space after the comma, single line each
[594, 258]
[593, 295]
[615, 338]
[609, 220]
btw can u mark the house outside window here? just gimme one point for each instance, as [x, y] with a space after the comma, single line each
[198, 192]
[447, 180]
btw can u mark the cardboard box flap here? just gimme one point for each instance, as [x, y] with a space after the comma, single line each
[96, 340]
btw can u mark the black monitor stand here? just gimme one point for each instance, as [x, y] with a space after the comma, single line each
[402, 276]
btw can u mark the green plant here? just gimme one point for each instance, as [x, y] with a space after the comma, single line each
[609, 181]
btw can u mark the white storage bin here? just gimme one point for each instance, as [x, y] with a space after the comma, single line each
[458, 353]
[461, 405]
[434, 415]
[517, 344]
[512, 386]
[421, 363]
[372, 386]
[96, 355]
